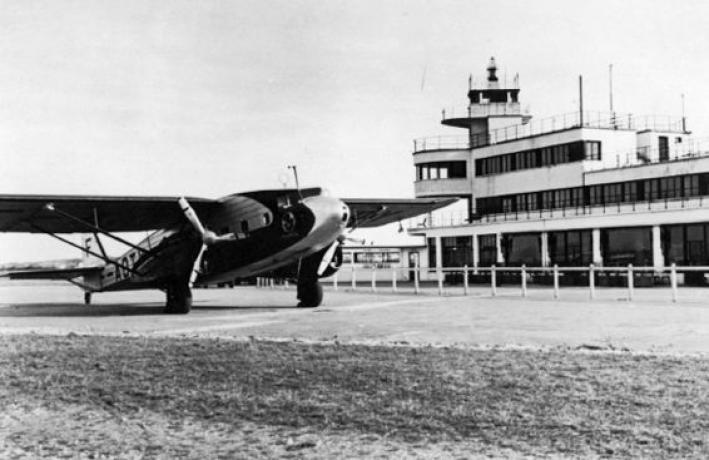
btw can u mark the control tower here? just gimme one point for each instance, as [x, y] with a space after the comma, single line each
[490, 108]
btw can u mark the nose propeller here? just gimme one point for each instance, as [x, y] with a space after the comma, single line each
[208, 237]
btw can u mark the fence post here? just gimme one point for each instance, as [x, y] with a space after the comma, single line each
[673, 281]
[374, 279]
[465, 280]
[630, 282]
[271, 283]
[439, 275]
[416, 277]
[334, 281]
[393, 279]
[523, 275]
[591, 282]
[493, 280]
[556, 281]
[354, 278]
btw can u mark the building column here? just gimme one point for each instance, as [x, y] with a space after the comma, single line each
[476, 251]
[544, 256]
[500, 259]
[596, 247]
[439, 254]
[658, 259]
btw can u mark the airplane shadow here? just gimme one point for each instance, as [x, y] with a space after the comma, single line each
[45, 309]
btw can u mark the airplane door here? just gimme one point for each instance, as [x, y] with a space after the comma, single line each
[413, 261]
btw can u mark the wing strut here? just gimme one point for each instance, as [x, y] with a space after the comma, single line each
[94, 228]
[95, 254]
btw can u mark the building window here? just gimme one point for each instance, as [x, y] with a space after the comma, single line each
[457, 251]
[487, 247]
[666, 188]
[691, 185]
[546, 156]
[522, 248]
[686, 244]
[572, 248]
[623, 246]
[441, 170]
[592, 150]
[431, 243]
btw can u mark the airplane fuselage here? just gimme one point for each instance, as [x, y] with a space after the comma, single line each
[269, 230]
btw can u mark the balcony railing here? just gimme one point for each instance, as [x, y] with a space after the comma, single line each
[441, 143]
[556, 123]
[481, 110]
[687, 150]
[458, 218]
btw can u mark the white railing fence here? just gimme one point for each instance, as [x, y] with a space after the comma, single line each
[458, 280]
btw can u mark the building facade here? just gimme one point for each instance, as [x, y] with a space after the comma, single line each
[569, 190]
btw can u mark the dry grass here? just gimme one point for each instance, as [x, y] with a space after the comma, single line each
[200, 398]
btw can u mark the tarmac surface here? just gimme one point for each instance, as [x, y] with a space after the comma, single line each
[648, 322]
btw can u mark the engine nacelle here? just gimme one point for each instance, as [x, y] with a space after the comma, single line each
[334, 264]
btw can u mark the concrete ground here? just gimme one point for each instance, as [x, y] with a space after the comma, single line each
[648, 322]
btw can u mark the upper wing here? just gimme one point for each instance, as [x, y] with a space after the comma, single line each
[374, 212]
[33, 214]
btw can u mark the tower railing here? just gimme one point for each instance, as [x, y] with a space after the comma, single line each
[598, 120]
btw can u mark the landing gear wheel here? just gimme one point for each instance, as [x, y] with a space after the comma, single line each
[309, 294]
[87, 298]
[178, 299]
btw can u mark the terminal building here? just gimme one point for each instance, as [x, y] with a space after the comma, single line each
[571, 190]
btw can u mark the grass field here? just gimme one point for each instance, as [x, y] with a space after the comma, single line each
[94, 397]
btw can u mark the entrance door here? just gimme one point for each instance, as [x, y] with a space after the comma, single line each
[413, 261]
[664, 148]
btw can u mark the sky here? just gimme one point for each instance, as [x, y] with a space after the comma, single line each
[207, 98]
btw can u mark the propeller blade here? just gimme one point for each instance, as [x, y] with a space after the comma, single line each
[327, 257]
[191, 216]
[197, 264]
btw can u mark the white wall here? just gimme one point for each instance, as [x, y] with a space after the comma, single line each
[442, 187]
[673, 168]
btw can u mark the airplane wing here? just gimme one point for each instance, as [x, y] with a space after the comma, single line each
[374, 212]
[34, 214]
[49, 273]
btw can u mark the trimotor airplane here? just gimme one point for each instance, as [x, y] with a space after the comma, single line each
[290, 233]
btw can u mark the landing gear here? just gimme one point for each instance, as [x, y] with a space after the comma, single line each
[178, 298]
[87, 298]
[309, 293]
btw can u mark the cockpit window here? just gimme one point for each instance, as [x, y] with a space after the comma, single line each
[283, 201]
[345, 214]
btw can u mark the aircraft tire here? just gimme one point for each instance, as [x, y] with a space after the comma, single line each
[310, 294]
[87, 298]
[178, 299]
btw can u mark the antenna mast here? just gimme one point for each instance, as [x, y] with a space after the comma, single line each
[581, 100]
[610, 85]
[295, 175]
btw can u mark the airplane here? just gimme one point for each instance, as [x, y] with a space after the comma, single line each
[293, 234]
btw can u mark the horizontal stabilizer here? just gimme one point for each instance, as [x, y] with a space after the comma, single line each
[374, 212]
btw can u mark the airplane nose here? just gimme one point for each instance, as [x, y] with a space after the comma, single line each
[328, 211]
